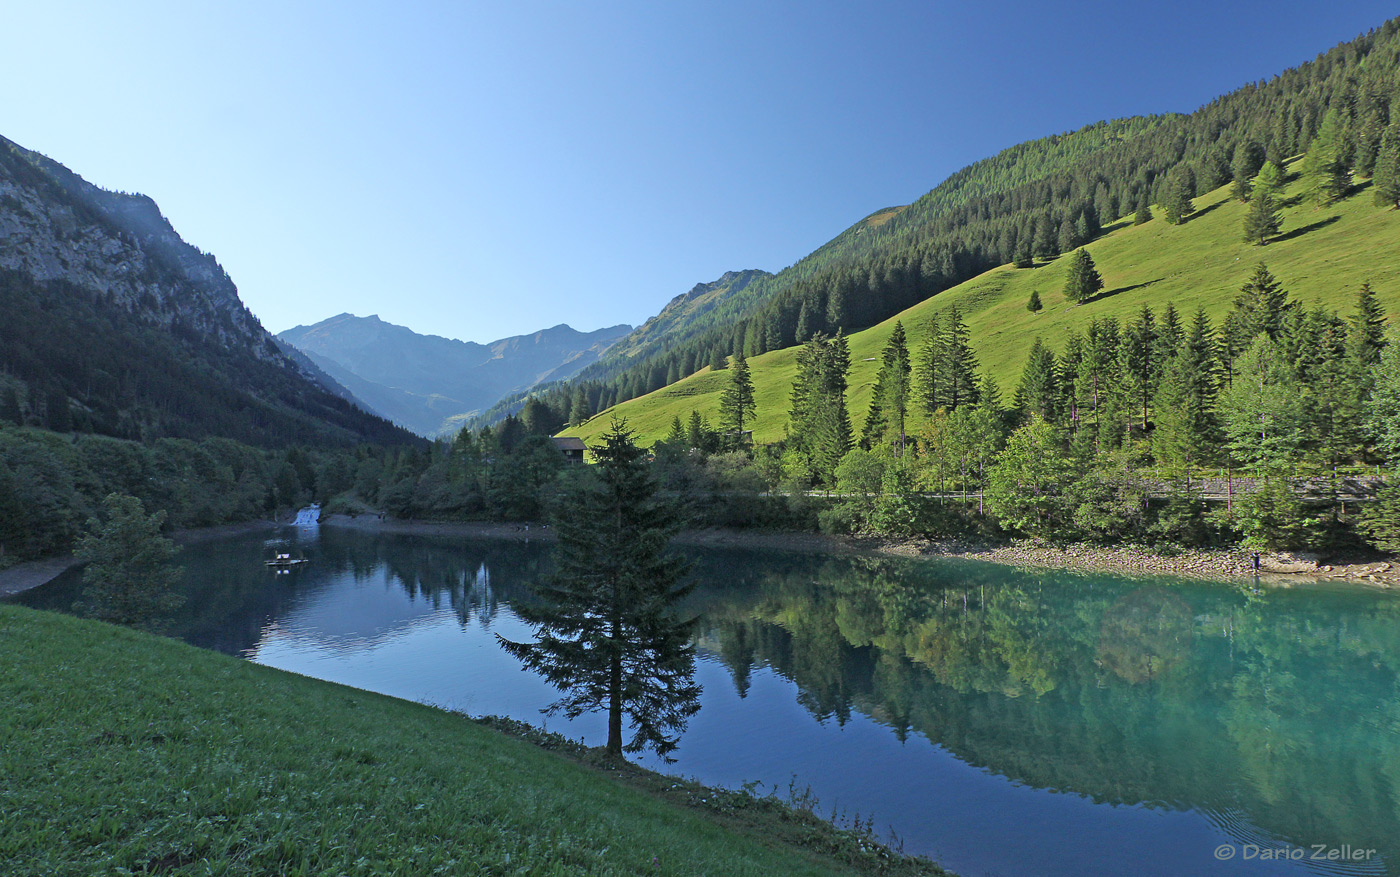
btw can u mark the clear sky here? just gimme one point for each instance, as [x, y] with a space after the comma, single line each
[478, 170]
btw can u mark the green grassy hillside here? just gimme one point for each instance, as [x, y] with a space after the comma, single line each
[1320, 255]
[126, 753]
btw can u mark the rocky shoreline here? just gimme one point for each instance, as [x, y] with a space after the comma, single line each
[1218, 565]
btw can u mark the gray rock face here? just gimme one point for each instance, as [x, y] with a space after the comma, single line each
[54, 225]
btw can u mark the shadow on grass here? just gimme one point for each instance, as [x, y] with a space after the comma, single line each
[1202, 212]
[1299, 232]
[1107, 293]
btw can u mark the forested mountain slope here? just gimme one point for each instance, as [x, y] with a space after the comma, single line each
[115, 325]
[1036, 200]
[1321, 256]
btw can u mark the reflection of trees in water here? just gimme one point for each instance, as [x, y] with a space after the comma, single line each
[1282, 704]
[472, 578]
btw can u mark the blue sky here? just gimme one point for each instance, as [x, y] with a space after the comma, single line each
[478, 170]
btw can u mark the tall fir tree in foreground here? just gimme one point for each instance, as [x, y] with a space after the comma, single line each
[736, 403]
[1083, 280]
[606, 632]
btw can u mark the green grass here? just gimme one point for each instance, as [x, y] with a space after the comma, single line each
[1321, 255]
[123, 752]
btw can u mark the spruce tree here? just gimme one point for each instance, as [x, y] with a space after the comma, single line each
[1366, 335]
[837, 310]
[1039, 391]
[1144, 209]
[1324, 164]
[579, 409]
[1262, 221]
[736, 404]
[1260, 307]
[605, 630]
[1387, 177]
[696, 429]
[1176, 197]
[1025, 254]
[1249, 158]
[1069, 235]
[889, 404]
[959, 364]
[1140, 364]
[1169, 336]
[804, 323]
[718, 361]
[1034, 305]
[927, 378]
[1083, 280]
[1271, 178]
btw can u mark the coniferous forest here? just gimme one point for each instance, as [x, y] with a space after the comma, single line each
[1031, 202]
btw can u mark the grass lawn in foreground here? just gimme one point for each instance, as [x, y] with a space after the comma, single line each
[126, 753]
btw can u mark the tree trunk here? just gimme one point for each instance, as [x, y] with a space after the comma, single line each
[615, 696]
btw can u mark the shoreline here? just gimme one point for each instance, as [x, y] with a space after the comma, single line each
[1227, 565]
[32, 573]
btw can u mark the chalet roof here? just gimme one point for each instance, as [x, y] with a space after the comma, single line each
[569, 443]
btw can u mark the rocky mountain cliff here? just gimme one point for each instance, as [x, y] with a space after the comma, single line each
[424, 381]
[114, 324]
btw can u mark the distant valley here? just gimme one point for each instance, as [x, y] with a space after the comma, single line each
[429, 384]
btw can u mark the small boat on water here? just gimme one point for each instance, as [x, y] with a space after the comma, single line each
[283, 561]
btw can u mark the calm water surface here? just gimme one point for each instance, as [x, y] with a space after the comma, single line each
[1001, 721]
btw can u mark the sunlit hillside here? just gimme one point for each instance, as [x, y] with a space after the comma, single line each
[1320, 255]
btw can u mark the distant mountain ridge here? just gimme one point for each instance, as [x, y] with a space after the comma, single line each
[114, 324]
[423, 382]
[680, 313]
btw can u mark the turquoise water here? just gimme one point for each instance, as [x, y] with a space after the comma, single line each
[999, 720]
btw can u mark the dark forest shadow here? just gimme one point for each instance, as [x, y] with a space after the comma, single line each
[1299, 232]
[1121, 289]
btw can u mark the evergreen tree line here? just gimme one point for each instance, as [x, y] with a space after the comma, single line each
[1039, 200]
[1109, 437]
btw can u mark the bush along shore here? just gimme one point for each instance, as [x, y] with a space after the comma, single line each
[129, 753]
[1279, 568]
